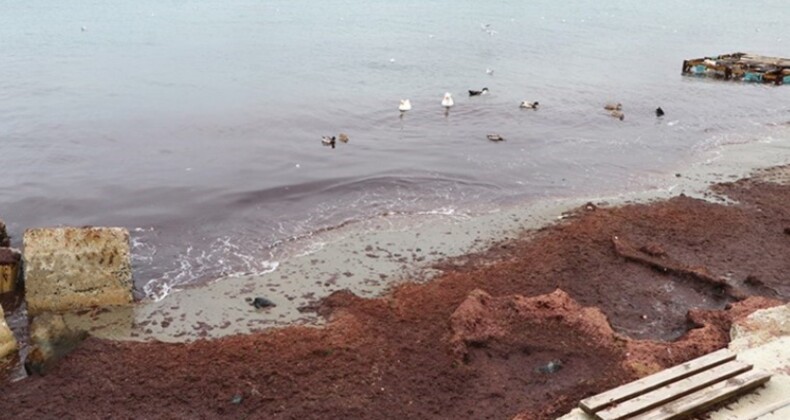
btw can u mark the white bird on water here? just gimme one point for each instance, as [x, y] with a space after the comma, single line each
[490, 71]
[447, 101]
[405, 105]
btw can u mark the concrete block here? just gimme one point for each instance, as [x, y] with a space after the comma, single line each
[10, 260]
[8, 343]
[75, 268]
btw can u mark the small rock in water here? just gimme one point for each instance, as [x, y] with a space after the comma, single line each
[262, 302]
[237, 399]
[551, 367]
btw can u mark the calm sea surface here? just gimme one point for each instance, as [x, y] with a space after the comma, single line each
[197, 124]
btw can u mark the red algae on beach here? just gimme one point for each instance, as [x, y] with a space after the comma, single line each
[525, 329]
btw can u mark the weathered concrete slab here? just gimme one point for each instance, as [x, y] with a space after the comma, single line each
[8, 343]
[74, 268]
[10, 260]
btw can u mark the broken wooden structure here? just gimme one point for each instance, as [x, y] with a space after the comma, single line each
[740, 67]
[678, 392]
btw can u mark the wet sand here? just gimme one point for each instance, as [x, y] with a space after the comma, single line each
[605, 295]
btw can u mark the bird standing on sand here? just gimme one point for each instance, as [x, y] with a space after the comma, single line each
[613, 107]
[328, 141]
[478, 92]
[659, 112]
[529, 105]
[447, 101]
[405, 105]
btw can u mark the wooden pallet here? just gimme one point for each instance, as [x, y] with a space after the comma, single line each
[679, 391]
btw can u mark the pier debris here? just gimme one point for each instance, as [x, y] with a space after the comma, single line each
[10, 262]
[76, 268]
[743, 67]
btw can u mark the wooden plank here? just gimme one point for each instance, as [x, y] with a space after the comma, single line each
[672, 391]
[707, 397]
[656, 380]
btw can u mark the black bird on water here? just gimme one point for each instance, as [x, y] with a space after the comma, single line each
[478, 92]
[659, 112]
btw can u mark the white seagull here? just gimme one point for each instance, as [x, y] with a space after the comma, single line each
[405, 105]
[447, 101]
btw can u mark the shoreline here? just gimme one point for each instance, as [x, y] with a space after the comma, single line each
[454, 343]
[372, 256]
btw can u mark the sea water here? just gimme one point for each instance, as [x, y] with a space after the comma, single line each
[198, 124]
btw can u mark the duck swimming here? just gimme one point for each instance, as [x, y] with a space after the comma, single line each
[328, 141]
[343, 137]
[478, 92]
[405, 105]
[617, 114]
[447, 101]
[529, 105]
[659, 112]
[495, 137]
[613, 107]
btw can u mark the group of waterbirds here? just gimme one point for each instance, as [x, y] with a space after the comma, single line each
[448, 102]
[614, 109]
[332, 141]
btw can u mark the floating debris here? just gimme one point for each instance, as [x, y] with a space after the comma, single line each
[740, 67]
